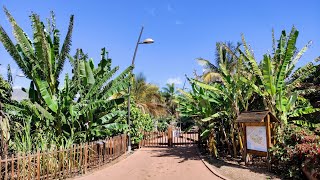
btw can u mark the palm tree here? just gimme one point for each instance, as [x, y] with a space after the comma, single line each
[169, 93]
[147, 96]
[234, 94]
[226, 53]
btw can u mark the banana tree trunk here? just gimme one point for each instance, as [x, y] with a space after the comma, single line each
[234, 145]
[212, 144]
[235, 128]
[226, 140]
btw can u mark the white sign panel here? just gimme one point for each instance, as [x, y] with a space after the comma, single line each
[256, 138]
[175, 133]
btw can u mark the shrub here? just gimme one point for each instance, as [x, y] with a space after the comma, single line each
[140, 123]
[299, 148]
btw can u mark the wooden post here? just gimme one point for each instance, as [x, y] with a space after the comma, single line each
[245, 155]
[147, 138]
[80, 157]
[29, 166]
[85, 157]
[6, 167]
[112, 148]
[170, 136]
[1, 167]
[18, 167]
[268, 133]
[12, 166]
[60, 162]
[68, 160]
[38, 165]
[63, 157]
[47, 160]
[199, 138]
[100, 154]
[23, 165]
[73, 164]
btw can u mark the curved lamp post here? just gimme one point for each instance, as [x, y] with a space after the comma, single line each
[146, 41]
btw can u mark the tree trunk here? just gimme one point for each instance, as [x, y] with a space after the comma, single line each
[226, 139]
[212, 144]
[233, 141]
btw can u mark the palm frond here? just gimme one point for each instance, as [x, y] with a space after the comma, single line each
[20, 36]
[12, 50]
[287, 58]
[65, 48]
[97, 86]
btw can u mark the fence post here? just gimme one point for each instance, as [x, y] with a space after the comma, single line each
[18, 167]
[199, 138]
[29, 166]
[12, 166]
[170, 136]
[6, 167]
[38, 165]
[85, 157]
[0, 166]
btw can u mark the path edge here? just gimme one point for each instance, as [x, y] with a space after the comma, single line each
[213, 171]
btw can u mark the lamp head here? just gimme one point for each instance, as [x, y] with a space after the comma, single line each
[148, 41]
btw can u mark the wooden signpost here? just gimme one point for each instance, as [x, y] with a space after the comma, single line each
[257, 128]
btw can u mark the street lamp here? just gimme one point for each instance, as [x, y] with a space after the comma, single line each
[146, 41]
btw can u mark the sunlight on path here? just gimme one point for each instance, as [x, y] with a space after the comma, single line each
[157, 163]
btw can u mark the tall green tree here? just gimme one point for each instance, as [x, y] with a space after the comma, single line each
[5, 96]
[226, 53]
[170, 92]
[147, 96]
[234, 92]
[276, 79]
[40, 59]
[84, 109]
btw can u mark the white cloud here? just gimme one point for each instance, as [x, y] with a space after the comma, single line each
[176, 80]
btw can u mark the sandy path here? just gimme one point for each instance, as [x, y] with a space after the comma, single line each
[157, 163]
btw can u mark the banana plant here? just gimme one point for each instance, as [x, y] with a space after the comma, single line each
[276, 82]
[79, 110]
[41, 59]
[236, 95]
[206, 108]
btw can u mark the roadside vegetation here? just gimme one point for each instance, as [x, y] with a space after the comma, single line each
[237, 81]
[90, 103]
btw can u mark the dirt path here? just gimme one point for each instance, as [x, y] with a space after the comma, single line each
[157, 163]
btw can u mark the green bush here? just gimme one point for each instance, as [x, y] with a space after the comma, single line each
[299, 148]
[140, 123]
[163, 123]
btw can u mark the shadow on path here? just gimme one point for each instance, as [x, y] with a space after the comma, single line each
[183, 153]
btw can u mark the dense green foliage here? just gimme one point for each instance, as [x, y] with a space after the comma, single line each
[89, 105]
[5, 95]
[239, 83]
[147, 96]
[141, 122]
[300, 148]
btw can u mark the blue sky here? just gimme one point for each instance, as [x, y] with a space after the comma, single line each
[182, 30]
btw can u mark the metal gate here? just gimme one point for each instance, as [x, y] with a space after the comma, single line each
[169, 138]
